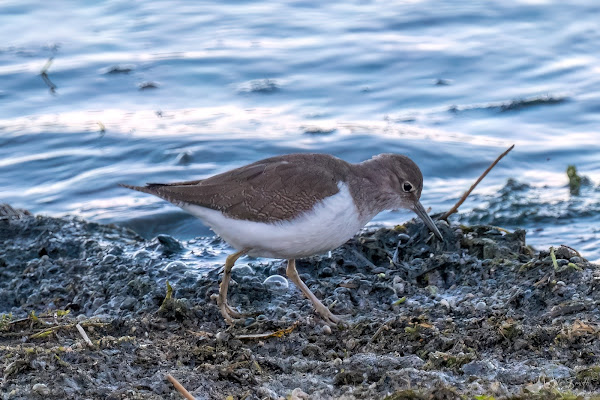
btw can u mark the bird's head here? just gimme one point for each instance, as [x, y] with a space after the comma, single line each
[403, 181]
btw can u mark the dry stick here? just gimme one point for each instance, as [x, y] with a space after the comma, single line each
[576, 252]
[84, 335]
[279, 333]
[384, 327]
[179, 387]
[468, 192]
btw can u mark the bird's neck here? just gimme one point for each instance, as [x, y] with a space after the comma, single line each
[371, 188]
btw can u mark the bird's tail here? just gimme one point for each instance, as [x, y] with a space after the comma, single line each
[149, 188]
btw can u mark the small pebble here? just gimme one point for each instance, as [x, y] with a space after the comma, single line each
[41, 389]
[403, 238]
[445, 303]
[480, 306]
[169, 243]
[326, 330]
[399, 288]
[109, 259]
[142, 257]
[575, 260]
[277, 269]
[298, 394]
[276, 283]
[351, 344]
[253, 280]
[128, 304]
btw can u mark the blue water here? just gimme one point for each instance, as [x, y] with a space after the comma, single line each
[168, 91]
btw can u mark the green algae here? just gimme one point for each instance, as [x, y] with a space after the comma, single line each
[574, 180]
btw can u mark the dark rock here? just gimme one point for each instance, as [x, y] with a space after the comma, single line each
[169, 244]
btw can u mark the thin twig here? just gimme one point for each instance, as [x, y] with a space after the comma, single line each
[260, 336]
[576, 252]
[46, 332]
[468, 192]
[84, 335]
[180, 387]
[545, 279]
[384, 327]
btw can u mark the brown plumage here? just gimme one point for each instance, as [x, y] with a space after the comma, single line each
[256, 192]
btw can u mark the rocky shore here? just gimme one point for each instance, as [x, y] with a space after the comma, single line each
[479, 316]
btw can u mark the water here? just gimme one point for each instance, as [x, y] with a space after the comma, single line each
[227, 83]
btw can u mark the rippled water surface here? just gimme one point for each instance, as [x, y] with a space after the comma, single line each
[96, 93]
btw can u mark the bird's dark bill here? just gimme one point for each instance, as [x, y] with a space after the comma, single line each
[420, 210]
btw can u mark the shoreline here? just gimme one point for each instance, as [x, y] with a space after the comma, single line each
[481, 314]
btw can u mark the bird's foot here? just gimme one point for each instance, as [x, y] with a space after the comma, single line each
[230, 314]
[328, 317]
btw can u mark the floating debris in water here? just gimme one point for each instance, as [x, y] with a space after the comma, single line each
[318, 130]
[44, 74]
[184, 158]
[512, 105]
[148, 85]
[442, 82]
[118, 69]
[259, 86]
[574, 180]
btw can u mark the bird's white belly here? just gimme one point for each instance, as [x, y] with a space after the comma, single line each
[328, 225]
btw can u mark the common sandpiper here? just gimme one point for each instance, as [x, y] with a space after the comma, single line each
[294, 206]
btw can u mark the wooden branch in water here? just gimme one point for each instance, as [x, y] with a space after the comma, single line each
[468, 192]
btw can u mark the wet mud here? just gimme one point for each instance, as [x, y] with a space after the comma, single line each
[480, 316]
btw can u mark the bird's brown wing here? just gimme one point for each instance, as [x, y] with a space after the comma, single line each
[270, 190]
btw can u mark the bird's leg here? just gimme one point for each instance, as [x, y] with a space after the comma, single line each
[228, 313]
[320, 308]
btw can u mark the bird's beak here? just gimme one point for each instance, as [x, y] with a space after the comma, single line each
[418, 208]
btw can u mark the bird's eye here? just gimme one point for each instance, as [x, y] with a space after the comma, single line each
[407, 187]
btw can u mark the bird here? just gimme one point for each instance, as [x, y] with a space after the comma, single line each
[295, 205]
